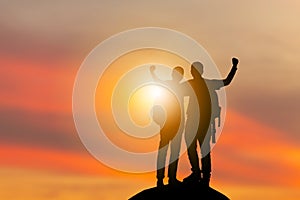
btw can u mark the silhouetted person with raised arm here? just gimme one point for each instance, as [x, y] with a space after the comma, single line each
[213, 86]
[170, 127]
[205, 90]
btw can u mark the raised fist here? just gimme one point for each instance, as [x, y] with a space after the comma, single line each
[235, 61]
[152, 68]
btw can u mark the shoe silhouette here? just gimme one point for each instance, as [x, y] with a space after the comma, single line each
[159, 183]
[192, 178]
[174, 182]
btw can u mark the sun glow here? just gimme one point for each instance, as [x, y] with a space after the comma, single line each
[142, 101]
[126, 94]
[155, 91]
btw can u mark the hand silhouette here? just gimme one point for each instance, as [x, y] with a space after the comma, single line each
[235, 61]
[152, 68]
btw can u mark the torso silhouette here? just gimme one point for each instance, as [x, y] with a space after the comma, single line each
[203, 102]
[170, 119]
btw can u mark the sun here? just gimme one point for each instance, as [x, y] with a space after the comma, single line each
[155, 91]
[142, 101]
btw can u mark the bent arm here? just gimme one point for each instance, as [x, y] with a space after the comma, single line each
[154, 76]
[232, 72]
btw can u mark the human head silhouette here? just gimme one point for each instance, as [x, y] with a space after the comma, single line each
[197, 69]
[177, 73]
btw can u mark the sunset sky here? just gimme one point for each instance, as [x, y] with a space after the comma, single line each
[43, 44]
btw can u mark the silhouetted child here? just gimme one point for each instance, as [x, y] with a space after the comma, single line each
[170, 126]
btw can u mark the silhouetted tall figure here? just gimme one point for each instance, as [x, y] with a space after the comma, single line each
[205, 90]
[171, 127]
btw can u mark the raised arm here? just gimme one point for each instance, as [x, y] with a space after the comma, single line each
[232, 72]
[155, 78]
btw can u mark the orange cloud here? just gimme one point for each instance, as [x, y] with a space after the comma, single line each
[50, 159]
[250, 152]
[43, 87]
[246, 153]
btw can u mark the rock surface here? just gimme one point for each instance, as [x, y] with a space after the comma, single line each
[183, 191]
